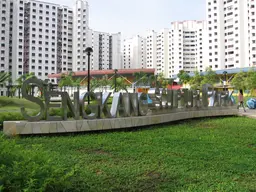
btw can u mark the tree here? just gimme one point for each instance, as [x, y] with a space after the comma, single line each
[21, 79]
[4, 77]
[104, 82]
[196, 81]
[239, 81]
[95, 83]
[121, 84]
[140, 78]
[251, 80]
[66, 80]
[210, 77]
[183, 77]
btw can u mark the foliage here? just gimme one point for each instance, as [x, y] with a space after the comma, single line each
[66, 80]
[94, 83]
[121, 84]
[34, 169]
[162, 81]
[251, 80]
[24, 77]
[152, 80]
[210, 77]
[215, 154]
[104, 82]
[15, 102]
[20, 81]
[4, 77]
[245, 80]
[141, 79]
[195, 82]
[183, 77]
[10, 116]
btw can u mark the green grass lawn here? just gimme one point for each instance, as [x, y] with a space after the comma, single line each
[14, 104]
[197, 155]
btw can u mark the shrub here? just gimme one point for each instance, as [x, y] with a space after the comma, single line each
[34, 169]
[10, 116]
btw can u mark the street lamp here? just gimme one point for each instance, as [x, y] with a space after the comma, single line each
[88, 50]
[115, 78]
[225, 79]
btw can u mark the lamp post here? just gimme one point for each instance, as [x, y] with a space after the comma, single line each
[88, 50]
[225, 80]
[115, 78]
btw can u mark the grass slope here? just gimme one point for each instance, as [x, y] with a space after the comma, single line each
[14, 104]
[196, 155]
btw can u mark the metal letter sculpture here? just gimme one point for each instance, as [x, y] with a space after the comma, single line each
[123, 104]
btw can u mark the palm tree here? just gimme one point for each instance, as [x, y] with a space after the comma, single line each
[152, 80]
[121, 84]
[140, 79]
[4, 77]
[21, 79]
[94, 84]
[104, 82]
[66, 80]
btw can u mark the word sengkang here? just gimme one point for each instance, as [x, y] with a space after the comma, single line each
[123, 104]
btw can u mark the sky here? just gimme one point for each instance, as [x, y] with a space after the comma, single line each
[133, 17]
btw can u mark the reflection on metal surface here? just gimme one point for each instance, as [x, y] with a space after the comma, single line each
[123, 104]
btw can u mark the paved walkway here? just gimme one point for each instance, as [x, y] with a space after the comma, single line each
[249, 113]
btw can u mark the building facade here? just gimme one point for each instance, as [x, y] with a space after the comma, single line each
[151, 49]
[162, 52]
[134, 53]
[187, 46]
[46, 38]
[80, 34]
[231, 31]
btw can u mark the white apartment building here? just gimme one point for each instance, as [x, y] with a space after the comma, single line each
[106, 50]
[134, 53]
[38, 38]
[187, 47]
[80, 34]
[162, 52]
[115, 51]
[46, 38]
[231, 28]
[5, 38]
[151, 49]
[47, 29]
[251, 6]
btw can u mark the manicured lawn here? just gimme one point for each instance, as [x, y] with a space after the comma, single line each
[14, 104]
[196, 155]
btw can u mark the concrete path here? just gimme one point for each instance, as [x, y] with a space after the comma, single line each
[251, 113]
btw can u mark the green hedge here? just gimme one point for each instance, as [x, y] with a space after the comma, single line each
[10, 116]
[34, 169]
[17, 116]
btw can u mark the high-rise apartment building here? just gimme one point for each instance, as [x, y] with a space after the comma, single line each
[231, 31]
[151, 49]
[80, 34]
[115, 51]
[106, 50]
[46, 38]
[181, 47]
[162, 52]
[188, 50]
[134, 53]
[5, 37]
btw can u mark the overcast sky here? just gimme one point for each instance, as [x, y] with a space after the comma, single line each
[132, 17]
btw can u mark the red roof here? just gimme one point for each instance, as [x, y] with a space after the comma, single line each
[104, 72]
[175, 87]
